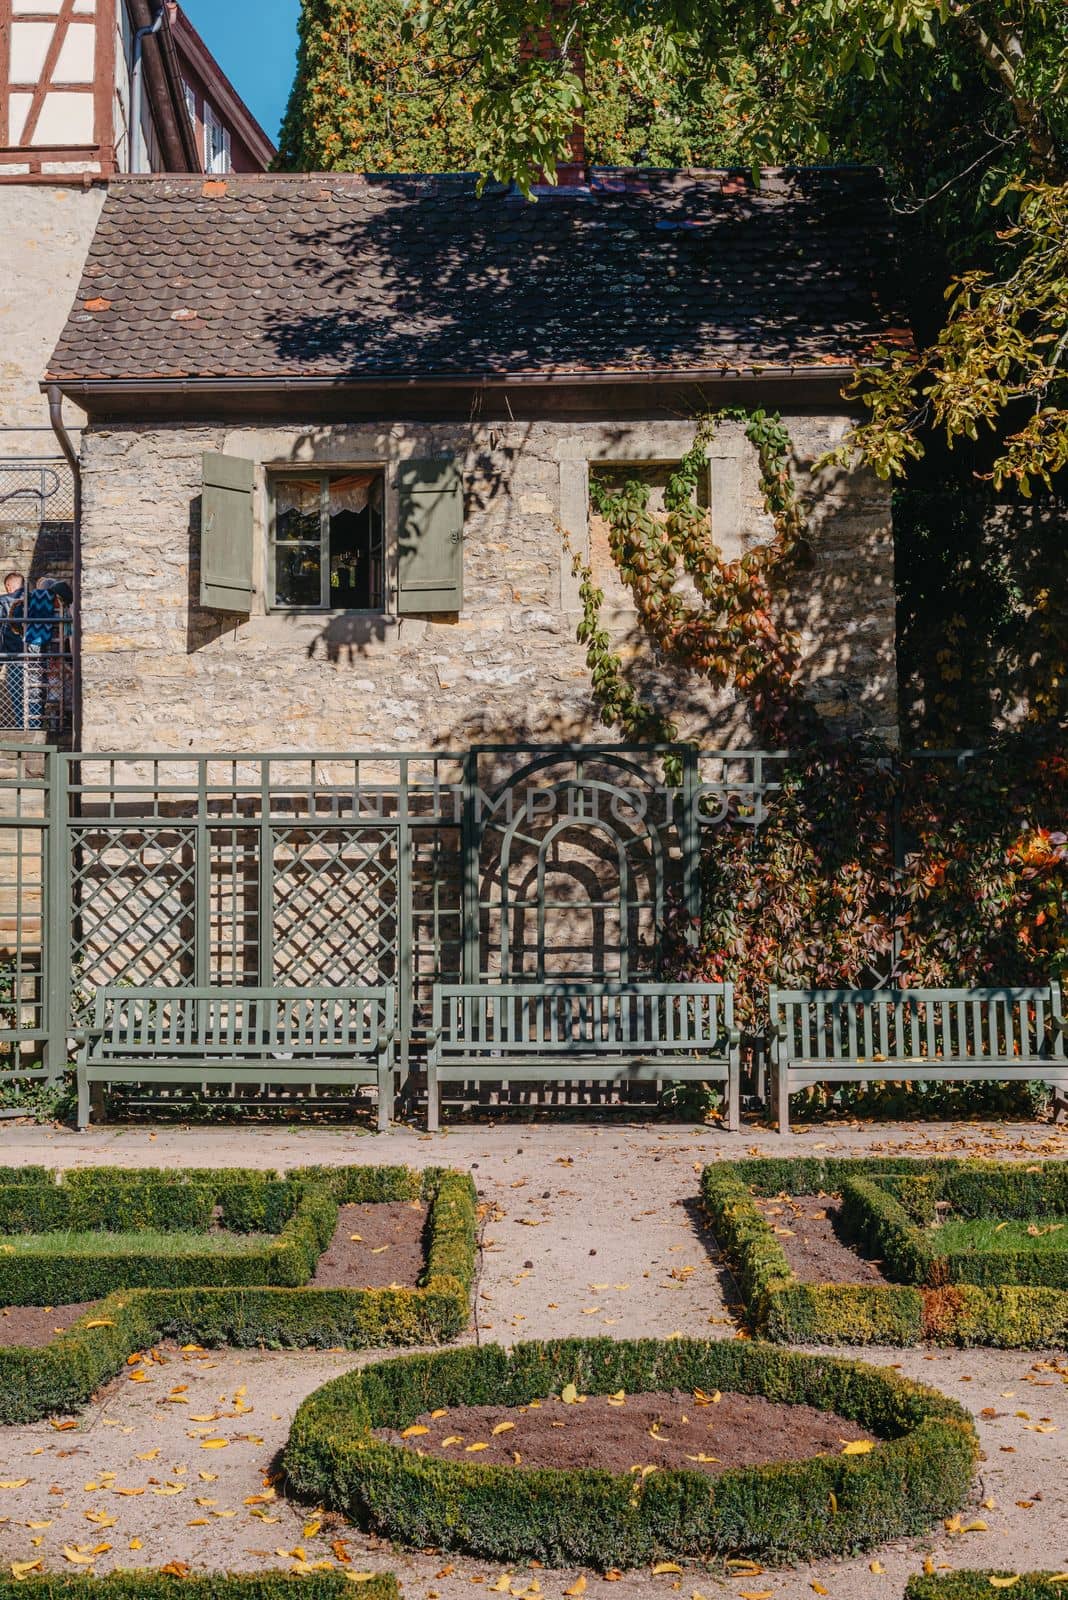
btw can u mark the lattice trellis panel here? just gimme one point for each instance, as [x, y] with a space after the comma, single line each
[234, 906]
[133, 902]
[335, 904]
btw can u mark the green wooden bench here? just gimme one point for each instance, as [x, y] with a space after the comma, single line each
[940, 1035]
[577, 1032]
[336, 1038]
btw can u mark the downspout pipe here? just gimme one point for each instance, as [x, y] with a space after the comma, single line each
[66, 444]
[137, 97]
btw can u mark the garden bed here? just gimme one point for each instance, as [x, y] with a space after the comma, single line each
[941, 1250]
[811, 1235]
[668, 1432]
[374, 1247]
[824, 1504]
[261, 1295]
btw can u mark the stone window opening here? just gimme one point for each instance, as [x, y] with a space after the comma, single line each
[326, 542]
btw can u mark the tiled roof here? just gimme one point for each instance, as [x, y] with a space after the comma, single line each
[356, 277]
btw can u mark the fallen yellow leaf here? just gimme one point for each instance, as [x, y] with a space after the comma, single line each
[664, 1566]
[20, 1569]
[471, 1448]
[13, 1483]
[414, 1431]
[858, 1447]
[214, 1444]
[99, 1322]
[502, 1427]
[569, 1394]
[578, 1587]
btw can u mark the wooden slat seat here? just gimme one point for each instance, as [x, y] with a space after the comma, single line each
[924, 1035]
[337, 1038]
[571, 1032]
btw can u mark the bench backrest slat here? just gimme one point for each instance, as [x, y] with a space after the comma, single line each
[243, 1020]
[919, 1024]
[572, 1016]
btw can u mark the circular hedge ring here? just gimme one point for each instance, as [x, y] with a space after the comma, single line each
[829, 1505]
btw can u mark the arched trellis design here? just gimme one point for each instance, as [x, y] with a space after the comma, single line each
[572, 855]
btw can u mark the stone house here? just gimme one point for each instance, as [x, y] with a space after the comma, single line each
[338, 428]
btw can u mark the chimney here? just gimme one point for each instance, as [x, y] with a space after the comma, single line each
[571, 171]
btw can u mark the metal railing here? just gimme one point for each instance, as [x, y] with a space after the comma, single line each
[37, 682]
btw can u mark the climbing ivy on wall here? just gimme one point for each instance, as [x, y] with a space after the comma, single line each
[732, 636]
[868, 868]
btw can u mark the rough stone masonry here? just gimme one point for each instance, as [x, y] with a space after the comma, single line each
[162, 673]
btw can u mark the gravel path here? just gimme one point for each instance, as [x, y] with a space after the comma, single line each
[588, 1229]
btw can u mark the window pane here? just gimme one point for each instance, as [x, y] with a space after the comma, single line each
[356, 567]
[297, 575]
[298, 542]
[297, 510]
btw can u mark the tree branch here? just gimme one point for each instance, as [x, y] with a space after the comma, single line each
[1003, 58]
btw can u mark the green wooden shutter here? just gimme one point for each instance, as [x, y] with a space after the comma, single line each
[430, 532]
[226, 534]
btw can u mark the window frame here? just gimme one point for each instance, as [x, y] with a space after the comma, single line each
[212, 121]
[322, 477]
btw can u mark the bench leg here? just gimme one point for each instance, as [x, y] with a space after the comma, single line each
[433, 1098]
[781, 1085]
[83, 1101]
[97, 1100]
[734, 1097]
[1060, 1102]
[385, 1092]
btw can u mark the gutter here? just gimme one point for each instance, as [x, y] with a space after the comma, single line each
[78, 387]
[66, 444]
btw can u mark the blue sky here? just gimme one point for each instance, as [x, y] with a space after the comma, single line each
[255, 43]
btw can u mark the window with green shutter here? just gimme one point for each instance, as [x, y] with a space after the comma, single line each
[226, 533]
[430, 532]
[326, 546]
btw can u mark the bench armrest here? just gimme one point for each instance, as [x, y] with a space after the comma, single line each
[734, 1037]
[1058, 1024]
[778, 1030]
[81, 1036]
[385, 1039]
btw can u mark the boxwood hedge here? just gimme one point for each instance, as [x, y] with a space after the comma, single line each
[61, 1377]
[978, 1586]
[829, 1505]
[886, 1202]
[146, 1585]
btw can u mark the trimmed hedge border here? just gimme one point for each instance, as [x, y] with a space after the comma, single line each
[46, 1279]
[830, 1505]
[149, 1585]
[61, 1377]
[884, 1199]
[977, 1586]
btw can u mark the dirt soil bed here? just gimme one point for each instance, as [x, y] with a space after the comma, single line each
[808, 1227]
[37, 1326]
[387, 1251]
[670, 1431]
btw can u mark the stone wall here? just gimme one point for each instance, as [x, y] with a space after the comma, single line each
[160, 672]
